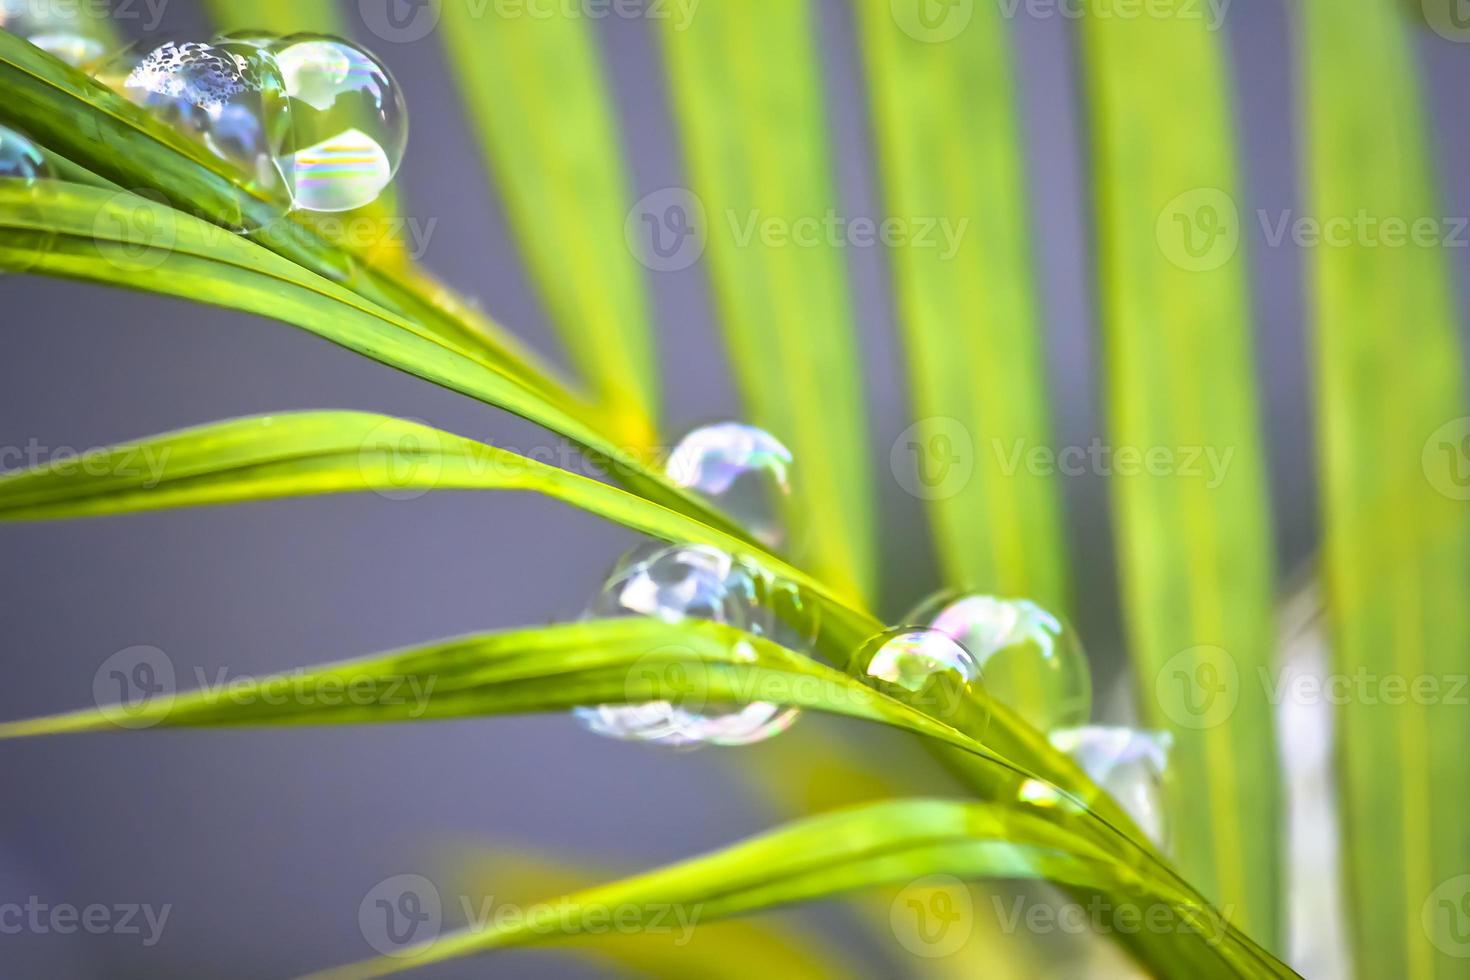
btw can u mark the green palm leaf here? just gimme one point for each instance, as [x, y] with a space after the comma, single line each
[536, 92]
[1195, 542]
[1391, 429]
[966, 300]
[749, 106]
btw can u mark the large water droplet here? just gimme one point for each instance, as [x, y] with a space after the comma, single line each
[928, 670]
[69, 31]
[349, 122]
[226, 94]
[1032, 660]
[1131, 765]
[20, 159]
[674, 583]
[743, 470]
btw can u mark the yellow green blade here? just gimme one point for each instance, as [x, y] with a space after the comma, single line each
[535, 89]
[1190, 503]
[966, 299]
[1393, 434]
[748, 100]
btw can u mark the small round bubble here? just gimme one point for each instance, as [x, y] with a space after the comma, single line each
[1032, 660]
[1131, 765]
[928, 670]
[675, 583]
[349, 122]
[743, 470]
[20, 159]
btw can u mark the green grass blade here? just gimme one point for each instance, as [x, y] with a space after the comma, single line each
[1194, 537]
[748, 99]
[968, 310]
[278, 16]
[536, 92]
[864, 847]
[1392, 433]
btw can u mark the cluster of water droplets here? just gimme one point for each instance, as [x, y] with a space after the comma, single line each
[311, 122]
[743, 471]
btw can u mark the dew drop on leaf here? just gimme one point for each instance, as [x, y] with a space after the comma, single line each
[20, 159]
[67, 31]
[1130, 764]
[1032, 660]
[744, 471]
[928, 670]
[349, 123]
[675, 583]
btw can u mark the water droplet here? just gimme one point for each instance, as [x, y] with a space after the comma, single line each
[20, 159]
[226, 94]
[674, 583]
[1032, 660]
[66, 31]
[743, 470]
[928, 670]
[349, 122]
[1130, 764]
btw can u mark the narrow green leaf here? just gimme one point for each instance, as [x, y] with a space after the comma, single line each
[1392, 434]
[748, 99]
[1194, 532]
[536, 92]
[278, 16]
[863, 847]
[966, 299]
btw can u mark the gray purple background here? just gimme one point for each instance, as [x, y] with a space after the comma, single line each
[264, 843]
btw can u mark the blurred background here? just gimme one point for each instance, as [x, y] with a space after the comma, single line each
[264, 843]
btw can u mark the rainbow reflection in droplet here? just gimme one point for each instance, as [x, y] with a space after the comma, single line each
[743, 470]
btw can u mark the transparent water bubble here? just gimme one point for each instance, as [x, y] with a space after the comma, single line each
[675, 583]
[20, 159]
[1131, 765]
[349, 122]
[928, 670]
[1032, 660]
[743, 470]
[70, 32]
[226, 94]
